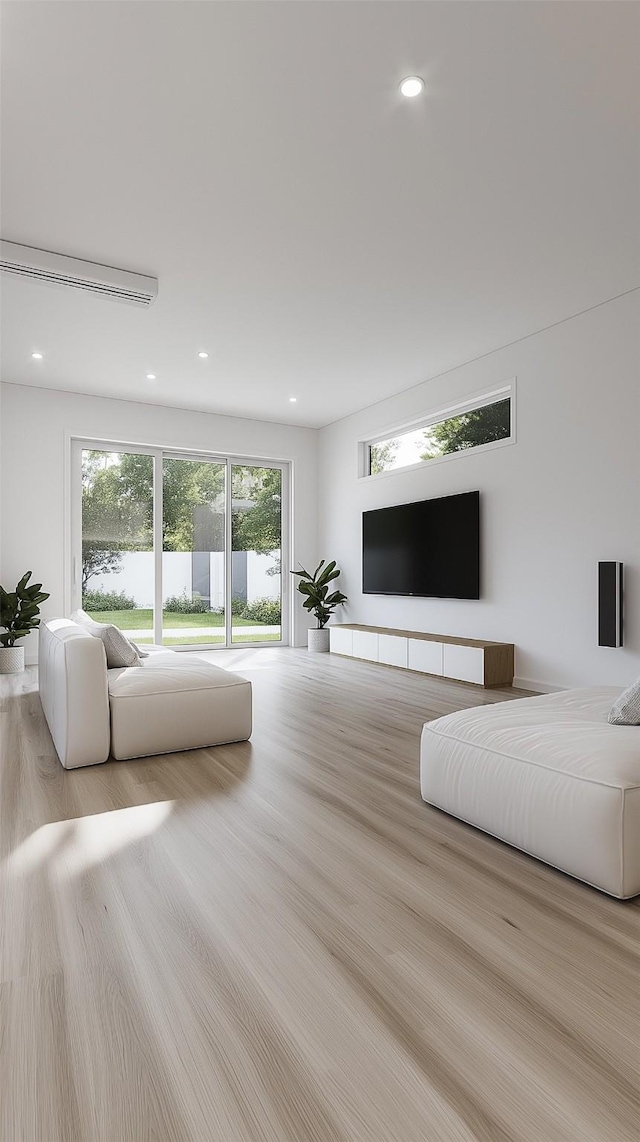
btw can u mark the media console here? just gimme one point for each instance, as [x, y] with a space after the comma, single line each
[462, 659]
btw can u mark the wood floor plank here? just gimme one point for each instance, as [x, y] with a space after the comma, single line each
[278, 941]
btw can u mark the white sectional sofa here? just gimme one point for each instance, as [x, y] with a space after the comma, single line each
[169, 702]
[550, 776]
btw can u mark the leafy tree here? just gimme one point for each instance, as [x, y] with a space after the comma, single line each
[117, 508]
[193, 506]
[98, 561]
[257, 527]
[479, 426]
[192, 498]
[117, 513]
[382, 455]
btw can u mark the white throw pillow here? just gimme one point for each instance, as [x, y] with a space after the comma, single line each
[626, 709]
[119, 651]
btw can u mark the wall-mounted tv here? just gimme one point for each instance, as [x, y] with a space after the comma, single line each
[429, 549]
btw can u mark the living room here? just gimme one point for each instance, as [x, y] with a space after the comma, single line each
[352, 288]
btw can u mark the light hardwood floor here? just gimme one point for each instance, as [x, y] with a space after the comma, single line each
[277, 941]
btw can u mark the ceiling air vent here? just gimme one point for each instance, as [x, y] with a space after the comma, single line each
[75, 273]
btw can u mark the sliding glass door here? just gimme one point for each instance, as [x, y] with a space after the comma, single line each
[179, 549]
[117, 559]
[193, 552]
[256, 558]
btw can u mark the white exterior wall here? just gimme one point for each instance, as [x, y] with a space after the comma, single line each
[261, 585]
[135, 577]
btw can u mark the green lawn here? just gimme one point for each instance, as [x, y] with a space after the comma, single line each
[190, 640]
[213, 639]
[140, 619]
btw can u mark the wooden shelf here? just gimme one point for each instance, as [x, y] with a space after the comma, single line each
[452, 639]
[482, 662]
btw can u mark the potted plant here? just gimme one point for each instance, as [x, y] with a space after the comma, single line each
[318, 600]
[19, 612]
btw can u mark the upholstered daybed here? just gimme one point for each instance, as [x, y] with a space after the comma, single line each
[548, 775]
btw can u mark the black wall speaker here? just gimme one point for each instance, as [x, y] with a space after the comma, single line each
[609, 604]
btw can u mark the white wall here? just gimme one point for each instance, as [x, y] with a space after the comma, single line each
[135, 576]
[36, 423]
[2, 580]
[564, 496]
[260, 584]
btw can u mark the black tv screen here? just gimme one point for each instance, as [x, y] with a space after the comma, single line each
[430, 548]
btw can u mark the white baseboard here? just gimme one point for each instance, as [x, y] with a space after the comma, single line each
[519, 683]
[539, 687]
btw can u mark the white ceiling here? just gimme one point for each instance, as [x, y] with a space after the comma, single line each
[316, 233]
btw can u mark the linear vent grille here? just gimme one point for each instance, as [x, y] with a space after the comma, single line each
[74, 273]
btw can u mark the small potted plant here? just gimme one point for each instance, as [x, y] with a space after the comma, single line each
[19, 612]
[318, 600]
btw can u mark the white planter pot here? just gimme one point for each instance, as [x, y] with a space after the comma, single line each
[319, 639]
[11, 659]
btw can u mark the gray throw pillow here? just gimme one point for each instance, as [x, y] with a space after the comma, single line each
[626, 709]
[118, 649]
[140, 649]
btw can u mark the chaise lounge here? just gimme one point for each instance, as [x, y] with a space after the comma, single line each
[548, 775]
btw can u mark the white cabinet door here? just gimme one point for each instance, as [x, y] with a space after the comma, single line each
[466, 663]
[425, 656]
[341, 640]
[392, 649]
[365, 645]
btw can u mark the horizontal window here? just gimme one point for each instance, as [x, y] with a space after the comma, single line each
[486, 423]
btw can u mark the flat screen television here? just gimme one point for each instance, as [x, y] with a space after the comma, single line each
[430, 548]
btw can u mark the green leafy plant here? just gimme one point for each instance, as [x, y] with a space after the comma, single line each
[19, 610]
[315, 589]
[183, 605]
[263, 611]
[107, 601]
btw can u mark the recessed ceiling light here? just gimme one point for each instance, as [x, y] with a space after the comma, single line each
[151, 376]
[292, 400]
[37, 356]
[203, 355]
[411, 86]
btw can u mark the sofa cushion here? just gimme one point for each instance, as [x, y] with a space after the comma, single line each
[626, 708]
[174, 702]
[565, 732]
[118, 649]
[142, 651]
[167, 674]
[547, 774]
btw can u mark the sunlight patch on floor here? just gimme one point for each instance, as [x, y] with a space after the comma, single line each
[251, 659]
[71, 847]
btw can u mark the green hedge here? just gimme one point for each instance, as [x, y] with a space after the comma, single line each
[266, 611]
[183, 605]
[107, 601]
